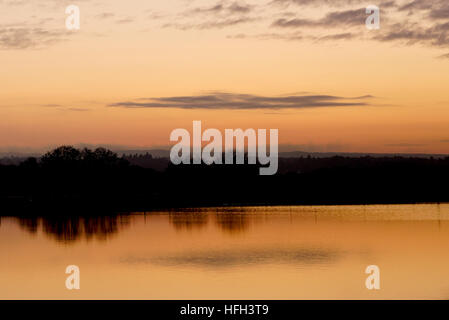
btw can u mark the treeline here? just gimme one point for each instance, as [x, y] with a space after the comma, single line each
[147, 161]
[67, 179]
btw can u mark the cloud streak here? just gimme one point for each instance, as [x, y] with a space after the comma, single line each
[29, 37]
[406, 22]
[335, 3]
[213, 24]
[233, 101]
[355, 17]
[224, 9]
[220, 15]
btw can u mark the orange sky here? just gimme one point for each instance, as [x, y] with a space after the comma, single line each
[57, 86]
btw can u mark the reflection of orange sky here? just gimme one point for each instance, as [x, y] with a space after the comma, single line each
[90, 72]
[273, 255]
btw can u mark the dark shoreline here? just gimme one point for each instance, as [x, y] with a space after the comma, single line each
[80, 210]
[67, 181]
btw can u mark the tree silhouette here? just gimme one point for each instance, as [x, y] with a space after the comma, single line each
[70, 157]
[99, 179]
[64, 156]
[101, 157]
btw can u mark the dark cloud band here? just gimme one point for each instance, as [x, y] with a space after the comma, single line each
[232, 101]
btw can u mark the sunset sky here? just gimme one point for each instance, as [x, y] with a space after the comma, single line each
[138, 69]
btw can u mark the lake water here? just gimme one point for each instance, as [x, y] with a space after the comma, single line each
[303, 252]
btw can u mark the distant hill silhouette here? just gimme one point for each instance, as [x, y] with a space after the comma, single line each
[83, 180]
[15, 158]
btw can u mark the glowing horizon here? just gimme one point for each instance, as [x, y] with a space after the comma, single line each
[109, 82]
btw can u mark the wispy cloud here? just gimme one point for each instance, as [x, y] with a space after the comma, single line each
[419, 5]
[78, 109]
[105, 15]
[223, 8]
[314, 2]
[125, 20]
[407, 22]
[233, 101]
[332, 19]
[295, 36]
[220, 15]
[29, 37]
[213, 24]
[51, 105]
[436, 35]
[61, 107]
[338, 36]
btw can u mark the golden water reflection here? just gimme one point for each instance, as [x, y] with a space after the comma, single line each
[299, 252]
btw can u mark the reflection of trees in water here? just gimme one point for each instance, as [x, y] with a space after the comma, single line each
[232, 222]
[188, 220]
[29, 224]
[228, 221]
[72, 229]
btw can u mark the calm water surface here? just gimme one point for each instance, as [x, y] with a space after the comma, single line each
[304, 252]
